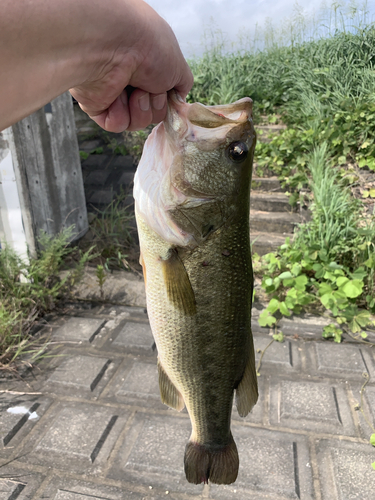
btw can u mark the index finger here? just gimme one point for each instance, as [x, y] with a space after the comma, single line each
[185, 82]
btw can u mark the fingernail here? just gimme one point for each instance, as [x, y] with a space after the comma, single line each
[158, 101]
[144, 102]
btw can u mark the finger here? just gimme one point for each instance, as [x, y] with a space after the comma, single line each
[159, 107]
[140, 110]
[185, 83]
[117, 117]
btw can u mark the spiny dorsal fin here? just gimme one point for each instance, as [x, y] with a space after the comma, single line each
[179, 289]
[169, 394]
[247, 390]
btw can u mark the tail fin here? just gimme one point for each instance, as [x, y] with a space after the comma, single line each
[217, 464]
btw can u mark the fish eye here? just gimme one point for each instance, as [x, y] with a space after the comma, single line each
[238, 151]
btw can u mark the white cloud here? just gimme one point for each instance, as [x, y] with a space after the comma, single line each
[190, 19]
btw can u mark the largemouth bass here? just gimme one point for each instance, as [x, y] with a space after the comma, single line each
[192, 201]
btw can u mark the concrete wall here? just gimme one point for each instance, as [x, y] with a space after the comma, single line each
[47, 169]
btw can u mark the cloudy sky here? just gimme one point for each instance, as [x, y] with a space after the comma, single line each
[192, 18]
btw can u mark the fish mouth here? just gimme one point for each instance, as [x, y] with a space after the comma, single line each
[195, 122]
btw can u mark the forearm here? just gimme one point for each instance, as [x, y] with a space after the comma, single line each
[48, 47]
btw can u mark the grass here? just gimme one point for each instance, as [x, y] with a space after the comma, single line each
[30, 289]
[112, 232]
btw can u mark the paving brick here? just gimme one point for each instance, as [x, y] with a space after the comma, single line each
[89, 145]
[279, 355]
[368, 408]
[18, 416]
[153, 452]
[96, 162]
[136, 382]
[303, 326]
[101, 197]
[133, 335]
[17, 484]
[273, 466]
[141, 380]
[80, 375]
[78, 437]
[316, 407]
[345, 470]
[126, 178]
[79, 330]
[123, 162]
[70, 489]
[347, 361]
[97, 178]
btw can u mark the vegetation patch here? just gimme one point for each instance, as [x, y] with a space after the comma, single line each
[29, 289]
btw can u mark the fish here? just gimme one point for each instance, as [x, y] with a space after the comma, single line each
[192, 204]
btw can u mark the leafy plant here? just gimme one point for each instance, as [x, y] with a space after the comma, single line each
[29, 289]
[329, 266]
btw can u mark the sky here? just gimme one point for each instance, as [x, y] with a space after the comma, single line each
[192, 18]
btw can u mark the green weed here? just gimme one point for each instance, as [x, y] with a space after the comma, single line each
[29, 289]
[113, 230]
[330, 265]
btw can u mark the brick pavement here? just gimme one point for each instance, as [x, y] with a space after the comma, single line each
[89, 424]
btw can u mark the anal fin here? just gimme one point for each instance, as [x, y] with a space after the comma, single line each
[247, 390]
[170, 396]
[179, 289]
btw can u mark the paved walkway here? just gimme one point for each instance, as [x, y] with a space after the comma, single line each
[89, 424]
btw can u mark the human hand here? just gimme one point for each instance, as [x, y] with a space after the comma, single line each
[139, 50]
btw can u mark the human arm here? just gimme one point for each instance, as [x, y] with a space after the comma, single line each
[95, 48]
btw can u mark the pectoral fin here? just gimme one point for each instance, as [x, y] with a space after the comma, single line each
[247, 390]
[169, 394]
[179, 289]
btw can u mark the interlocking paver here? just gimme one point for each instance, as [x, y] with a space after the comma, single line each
[136, 382]
[141, 381]
[97, 178]
[79, 437]
[272, 465]
[132, 335]
[284, 356]
[80, 375]
[152, 453]
[346, 470]
[312, 406]
[343, 360]
[79, 330]
[85, 491]
[102, 431]
[18, 417]
[18, 484]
